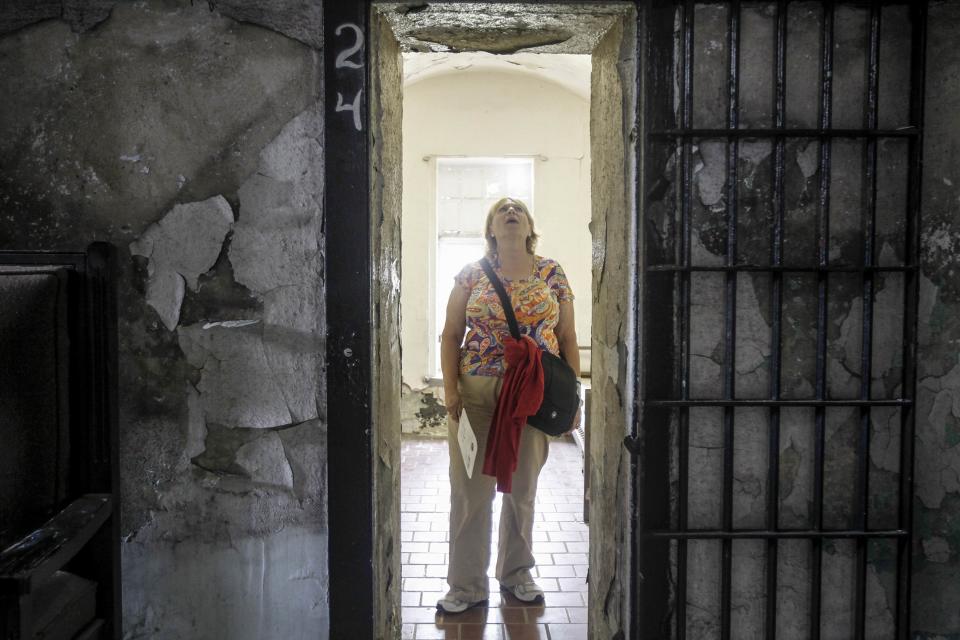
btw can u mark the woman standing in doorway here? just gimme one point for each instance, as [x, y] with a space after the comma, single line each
[473, 370]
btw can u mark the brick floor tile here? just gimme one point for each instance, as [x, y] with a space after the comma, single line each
[564, 599]
[558, 558]
[544, 614]
[526, 632]
[418, 614]
[425, 504]
[568, 631]
[572, 584]
[577, 615]
[581, 570]
[481, 631]
[476, 615]
[419, 507]
[548, 584]
[563, 536]
[562, 516]
[573, 507]
[429, 558]
[512, 615]
[549, 547]
[424, 584]
[428, 516]
[565, 571]
[407, 631]
[429, 536]
[430, 598]
[438, 631]
[413, 570]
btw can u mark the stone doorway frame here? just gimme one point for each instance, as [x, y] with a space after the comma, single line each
[362, 153]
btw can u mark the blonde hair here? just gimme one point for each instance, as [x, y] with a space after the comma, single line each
[492, 241]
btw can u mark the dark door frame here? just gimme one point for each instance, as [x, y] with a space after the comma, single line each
[348, 281]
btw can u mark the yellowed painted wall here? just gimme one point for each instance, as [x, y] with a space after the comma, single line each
[492, 113]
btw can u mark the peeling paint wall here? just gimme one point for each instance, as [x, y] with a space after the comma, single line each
[936, 588]
[194, 143]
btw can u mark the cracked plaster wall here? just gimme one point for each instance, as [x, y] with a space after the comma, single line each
[191, 141]
[936, 589]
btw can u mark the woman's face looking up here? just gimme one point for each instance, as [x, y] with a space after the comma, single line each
[509, 221]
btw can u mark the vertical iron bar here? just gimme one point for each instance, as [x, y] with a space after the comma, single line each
[776, 305]
[866, 349]
[730, 311]
[823, 257]
[684, 416]
[918, 45]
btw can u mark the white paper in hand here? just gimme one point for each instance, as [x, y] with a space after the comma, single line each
[468, 443]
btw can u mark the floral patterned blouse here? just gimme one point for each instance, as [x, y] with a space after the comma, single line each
[536, 303]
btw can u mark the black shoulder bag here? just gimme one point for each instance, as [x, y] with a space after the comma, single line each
[560, 397]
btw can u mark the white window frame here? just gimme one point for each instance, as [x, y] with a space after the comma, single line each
[439, 290]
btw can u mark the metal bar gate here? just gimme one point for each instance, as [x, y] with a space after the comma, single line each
[726, 547]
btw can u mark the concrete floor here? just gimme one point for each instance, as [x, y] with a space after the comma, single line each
[560, 546]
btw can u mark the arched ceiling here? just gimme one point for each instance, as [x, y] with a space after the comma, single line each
[571, 71]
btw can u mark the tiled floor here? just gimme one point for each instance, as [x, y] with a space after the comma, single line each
[560, 546]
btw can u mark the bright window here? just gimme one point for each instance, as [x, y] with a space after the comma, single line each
[466, 189]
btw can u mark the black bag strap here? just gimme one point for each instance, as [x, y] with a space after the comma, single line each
[504, 298]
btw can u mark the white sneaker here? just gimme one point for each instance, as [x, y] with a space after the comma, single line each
[525, 592]
[451, 604]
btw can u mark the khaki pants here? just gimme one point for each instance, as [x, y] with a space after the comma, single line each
[471, 500]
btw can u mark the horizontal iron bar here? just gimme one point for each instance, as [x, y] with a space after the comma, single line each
[759, 534]
[812, 402]
[906, 132]
[781, 268]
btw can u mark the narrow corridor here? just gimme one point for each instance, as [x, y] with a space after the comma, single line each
[560, 546]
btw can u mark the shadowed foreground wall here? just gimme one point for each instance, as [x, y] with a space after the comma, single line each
[193, 143]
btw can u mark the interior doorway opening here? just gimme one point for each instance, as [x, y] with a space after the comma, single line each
[603, 38]
[478, 127]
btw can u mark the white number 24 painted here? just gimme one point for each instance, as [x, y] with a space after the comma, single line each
[343, 60]
[353, 106]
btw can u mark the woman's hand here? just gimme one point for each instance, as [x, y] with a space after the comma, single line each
[451, 399]
[576, 421]
[450, 341]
